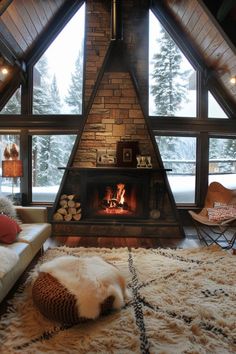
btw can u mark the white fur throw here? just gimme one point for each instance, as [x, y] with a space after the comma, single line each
[8, 259]
[90, 279]
[7, 207]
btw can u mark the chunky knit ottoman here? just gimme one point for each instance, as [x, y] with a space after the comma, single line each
[56, 302]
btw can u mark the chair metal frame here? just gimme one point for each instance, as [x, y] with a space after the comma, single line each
[223, 234]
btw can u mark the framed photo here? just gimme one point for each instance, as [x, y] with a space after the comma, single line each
[126, 153]
[106, 158]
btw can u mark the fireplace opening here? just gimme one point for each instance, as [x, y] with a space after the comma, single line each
[116, 199]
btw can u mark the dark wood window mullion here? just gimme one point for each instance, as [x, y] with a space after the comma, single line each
[27, 93]
[202, 168]
[203, 143]
[26, 146]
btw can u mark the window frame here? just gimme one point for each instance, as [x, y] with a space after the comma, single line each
[200, 126]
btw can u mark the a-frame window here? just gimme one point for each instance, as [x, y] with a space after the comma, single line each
[173, 93]
[172, 79]
[58, 74]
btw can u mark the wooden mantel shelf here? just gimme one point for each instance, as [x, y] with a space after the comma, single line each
[128, 169]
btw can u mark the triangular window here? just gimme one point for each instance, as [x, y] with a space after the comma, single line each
[58, 75]
[214, 109]
[172, 79]
[13, 106]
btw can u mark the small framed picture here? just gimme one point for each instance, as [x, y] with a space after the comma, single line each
[106, 158]
[126, 153]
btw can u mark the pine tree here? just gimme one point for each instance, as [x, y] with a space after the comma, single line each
[41, 95]
[169, 89]
[55, 97]
[74, 97]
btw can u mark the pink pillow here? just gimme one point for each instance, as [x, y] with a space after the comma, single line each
[9, 229]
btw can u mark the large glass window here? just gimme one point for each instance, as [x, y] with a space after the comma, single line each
[48, 153]
[222, 161]
[13, 105]
[58, 75]
[178, 153]
[8, 185]
[214, 109]
[172, 80]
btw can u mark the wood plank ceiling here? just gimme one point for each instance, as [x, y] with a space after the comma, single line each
[205, 33]
[22, 22]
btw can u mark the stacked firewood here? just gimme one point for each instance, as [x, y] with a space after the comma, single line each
[69, 208]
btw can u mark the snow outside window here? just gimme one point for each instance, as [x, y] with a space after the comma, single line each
[222, 161]
[48, 153]
[179, 155]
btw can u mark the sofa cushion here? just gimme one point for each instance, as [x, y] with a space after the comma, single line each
[35, 234]
[25, 257]
[9, 229]
[8, 259]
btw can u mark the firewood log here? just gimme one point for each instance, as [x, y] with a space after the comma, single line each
[63, 196]
[71, 211]
[57, 217]
[62, 211]
[77, 217]
[71, 203]
[68, 217]
[71, 196]
[63, 203]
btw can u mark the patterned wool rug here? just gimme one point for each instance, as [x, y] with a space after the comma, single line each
[183, 301]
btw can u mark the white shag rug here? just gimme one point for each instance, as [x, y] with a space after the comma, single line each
[182, 301]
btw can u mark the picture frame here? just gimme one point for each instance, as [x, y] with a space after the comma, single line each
[106, 158]
[126, 153]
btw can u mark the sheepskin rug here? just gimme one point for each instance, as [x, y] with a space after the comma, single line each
[182, 302]
[91, 280]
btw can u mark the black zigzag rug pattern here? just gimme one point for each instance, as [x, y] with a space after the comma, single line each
[181, 302]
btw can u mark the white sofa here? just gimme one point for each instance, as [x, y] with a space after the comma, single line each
[35, 231]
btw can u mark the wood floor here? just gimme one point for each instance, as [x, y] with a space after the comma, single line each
[189, 241]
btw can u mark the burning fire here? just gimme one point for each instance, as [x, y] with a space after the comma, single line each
[114, 201]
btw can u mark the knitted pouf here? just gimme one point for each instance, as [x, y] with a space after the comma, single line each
[56, 303]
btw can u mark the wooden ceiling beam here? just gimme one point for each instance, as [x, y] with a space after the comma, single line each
[4, 5]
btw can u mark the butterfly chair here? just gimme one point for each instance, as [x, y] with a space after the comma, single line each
[216, 222]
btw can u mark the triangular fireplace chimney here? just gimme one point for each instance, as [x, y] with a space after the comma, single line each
[115, 123]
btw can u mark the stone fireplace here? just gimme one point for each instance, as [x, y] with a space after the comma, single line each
[116, 200]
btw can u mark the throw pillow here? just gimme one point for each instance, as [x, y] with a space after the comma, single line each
[9, 229]
[219, 214]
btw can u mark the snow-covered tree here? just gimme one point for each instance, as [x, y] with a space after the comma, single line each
[169, 88]
[13, 105]
[75, 91]
[55, 97]
[42, 101]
